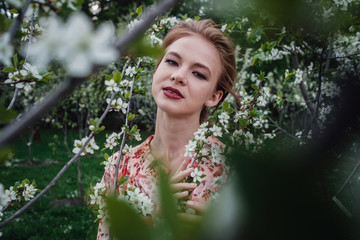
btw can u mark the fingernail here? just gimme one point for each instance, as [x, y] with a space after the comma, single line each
[190, 203]
[194, 185]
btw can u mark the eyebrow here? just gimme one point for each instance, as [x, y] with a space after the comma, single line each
[196, 64]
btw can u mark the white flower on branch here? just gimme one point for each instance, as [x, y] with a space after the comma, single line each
[111, 86]
[217, 131]
[330, 89]
[10, 194]
[216, 154]
[118, 105]
[190, 148]
[90, 147]
[75, 44]
[111, 141]
[298, 76]
[130, 71]
[29, 191]
[197, 175]
[224, 118]
[6, 49]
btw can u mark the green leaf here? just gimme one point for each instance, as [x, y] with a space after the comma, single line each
[123, 179]
[230, 110]
[9, 69]
[142, 47]
[107, 77]
[139, 10]
[167, 203]
[6, 115]
[225, 106]
[102, 128]
[14, 11]
[117, 77]
[254, 86]
[106, 156]
[279, 93]
[15, 61]
[125, 222]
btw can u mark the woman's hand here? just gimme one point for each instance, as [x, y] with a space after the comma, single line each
[182, 189]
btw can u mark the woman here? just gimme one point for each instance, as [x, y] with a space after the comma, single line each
[196, 72]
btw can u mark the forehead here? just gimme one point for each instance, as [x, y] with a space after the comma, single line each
[196, 49]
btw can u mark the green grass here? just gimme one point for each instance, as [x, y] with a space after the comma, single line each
[47, 219]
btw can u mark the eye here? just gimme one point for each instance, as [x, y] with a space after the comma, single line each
[199, 75]
[171, 62]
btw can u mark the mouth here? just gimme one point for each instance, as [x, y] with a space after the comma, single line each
[172, 92]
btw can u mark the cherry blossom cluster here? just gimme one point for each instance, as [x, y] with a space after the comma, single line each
[90, 147]
[12, 197]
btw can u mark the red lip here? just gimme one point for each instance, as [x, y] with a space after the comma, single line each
[172, 93]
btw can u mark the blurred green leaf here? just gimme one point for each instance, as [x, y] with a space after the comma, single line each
[139, 10]
[142, 47]
[117, 77]
[167, 203]
[15, 61]
[14, 11]
[9, 69]
[125, 222]
[6, 115]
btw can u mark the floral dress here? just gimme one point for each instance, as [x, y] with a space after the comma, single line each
[137, 164]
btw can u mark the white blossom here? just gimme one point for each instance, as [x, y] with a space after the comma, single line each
[224, 118]
[118, 105]
[111, 85]
[330, 89]
[217, 131]
[75, 43]
[130, 71]
[298, 76]
[28, 192]
[196, 175]
[216, 154]
[190, 148]
[90, 147]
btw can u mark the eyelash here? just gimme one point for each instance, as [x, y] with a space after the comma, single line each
[197, 74]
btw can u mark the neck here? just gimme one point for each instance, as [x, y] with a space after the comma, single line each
[171, 135]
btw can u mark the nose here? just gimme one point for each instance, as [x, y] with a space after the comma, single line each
[179, 76]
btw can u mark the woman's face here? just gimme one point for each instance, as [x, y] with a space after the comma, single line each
[187, 76]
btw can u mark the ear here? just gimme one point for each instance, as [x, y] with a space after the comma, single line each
[214, 99]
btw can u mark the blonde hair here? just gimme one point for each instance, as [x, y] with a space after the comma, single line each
[209, 30]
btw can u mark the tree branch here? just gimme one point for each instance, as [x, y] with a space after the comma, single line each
[11, 105]
[302, 85]
[124, 135]
[16, 23]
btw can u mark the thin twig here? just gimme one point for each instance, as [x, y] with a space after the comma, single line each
[124, 134]
[11, 105]
[302, 85]
[348, 179]
[283, 130]
[16, 23]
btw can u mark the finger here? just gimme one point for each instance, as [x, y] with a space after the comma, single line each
[197, 206]
[190, 217]
[181, 175]
[182, 166]
[180, 195]
[183, 186]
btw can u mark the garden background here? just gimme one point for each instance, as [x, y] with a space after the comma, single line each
[293, 142]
